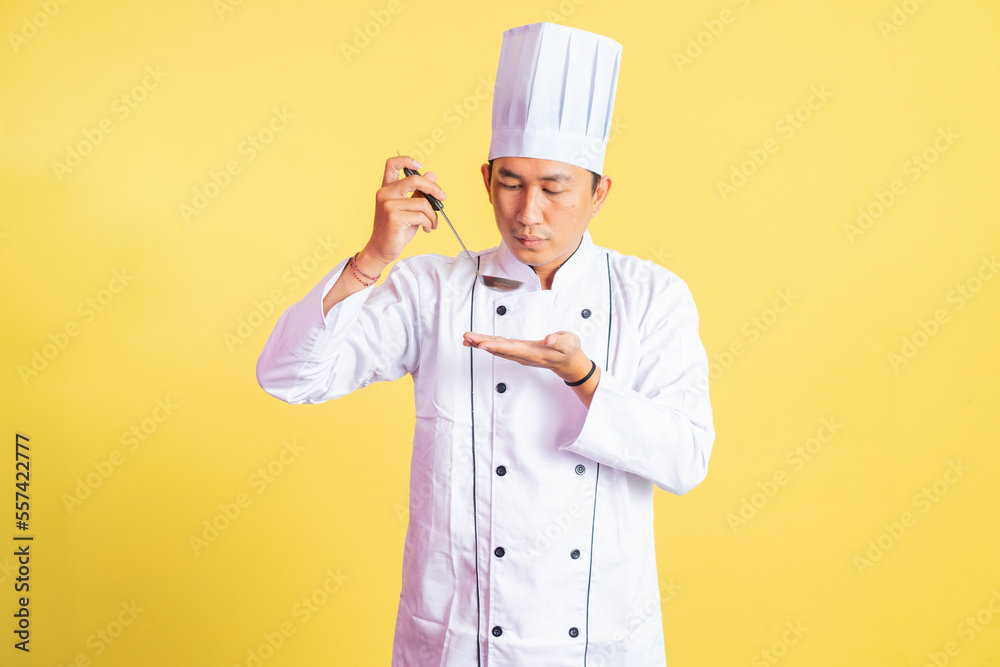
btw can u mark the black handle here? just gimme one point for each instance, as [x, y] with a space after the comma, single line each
[435, 202]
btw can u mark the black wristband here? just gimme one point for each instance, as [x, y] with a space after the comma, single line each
[593, 368]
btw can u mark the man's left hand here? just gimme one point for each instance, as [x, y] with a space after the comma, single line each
[560, 352]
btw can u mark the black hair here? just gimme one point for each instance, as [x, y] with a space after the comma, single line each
[595, 178]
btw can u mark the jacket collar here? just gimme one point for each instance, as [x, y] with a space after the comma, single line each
[575, 266]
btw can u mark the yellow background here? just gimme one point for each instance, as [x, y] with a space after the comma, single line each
[895, 76]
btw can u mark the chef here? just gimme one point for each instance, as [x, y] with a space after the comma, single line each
[546, 414]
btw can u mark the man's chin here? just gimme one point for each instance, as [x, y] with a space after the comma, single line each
[530, 256]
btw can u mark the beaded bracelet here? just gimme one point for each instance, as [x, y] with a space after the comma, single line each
[358, 273]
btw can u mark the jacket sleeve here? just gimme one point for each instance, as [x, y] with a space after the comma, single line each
[370, 336]
[660, 425]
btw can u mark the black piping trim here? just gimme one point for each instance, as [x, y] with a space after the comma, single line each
[607, 358]
[472, 411]
[597, 478]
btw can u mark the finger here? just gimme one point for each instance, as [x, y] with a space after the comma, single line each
[472, 337]
[490, 345]
[394, 166]
[563, 341]
[431, 176]
[476, 338]
[399, 207]
[403, 188]
[506, 347]
[525, 354]
[418, 216]
[426, 223]
[411, 184]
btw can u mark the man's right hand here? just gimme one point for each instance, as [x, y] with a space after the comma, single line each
[399, 211]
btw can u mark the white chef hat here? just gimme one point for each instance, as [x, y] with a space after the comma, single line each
[555, 90]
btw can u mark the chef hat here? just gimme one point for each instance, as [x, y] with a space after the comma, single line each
[555, 90]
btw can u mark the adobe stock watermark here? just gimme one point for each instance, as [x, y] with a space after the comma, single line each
[422, 495]
[370, 30]
[787, 126]
[640, 272]
[924, 501]
[7, 569]
[247, 151]
[562, 13]
[121, 108]
[967, 630]
[899, 16]
[258, 481]
[648, 612]
[659, 255]
[293, 277]
[31, 24]
[753, 503]
[225, 7]
[454, 117]
[772, 655]
[560, 523]
[302, 610]
[713, 28]
[957, 298]
[132, 439]
[104, 637]
[751, 331]
[595, 147]
[61, 338]
[913, 169]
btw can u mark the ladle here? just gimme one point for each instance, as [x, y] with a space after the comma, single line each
[493, 282]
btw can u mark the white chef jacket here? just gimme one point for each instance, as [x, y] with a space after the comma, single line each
[530, 537]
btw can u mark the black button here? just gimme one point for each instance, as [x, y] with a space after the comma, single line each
[497, 631]
[585, 313]
[501, 470]
[501, 310]
[573, 632]
[580, 469]
[574, 554]
[501, 388]
[499, 551]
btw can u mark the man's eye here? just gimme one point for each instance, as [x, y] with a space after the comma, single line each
[510, 187]
[554, 192]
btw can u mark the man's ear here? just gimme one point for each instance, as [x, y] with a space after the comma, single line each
[485, 169]
[601, 194]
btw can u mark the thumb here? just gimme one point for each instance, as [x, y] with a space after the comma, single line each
[552, 340]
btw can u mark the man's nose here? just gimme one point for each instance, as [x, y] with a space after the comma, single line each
[531, 211]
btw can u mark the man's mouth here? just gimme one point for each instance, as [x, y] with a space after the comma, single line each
[529, 241]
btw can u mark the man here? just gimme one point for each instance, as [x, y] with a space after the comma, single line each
[545, 414]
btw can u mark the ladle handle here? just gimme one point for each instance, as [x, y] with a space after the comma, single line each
[435, 202]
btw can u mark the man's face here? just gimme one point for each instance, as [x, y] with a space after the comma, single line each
[542, 207]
